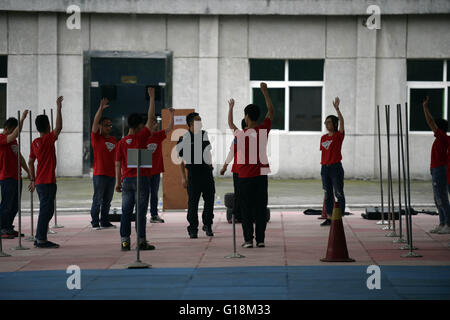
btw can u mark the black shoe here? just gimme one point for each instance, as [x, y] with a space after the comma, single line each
[326, 223]
[260, 245]
[95, 225]
[46, 245]
[192, 234]
[15, 233]
[125, 246]
[107, 225]
[156, 219]
[146, 246]
[248, 244]
[208, 231]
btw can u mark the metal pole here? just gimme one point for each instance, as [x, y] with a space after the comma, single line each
[410, 246]
[31, 237]
[235, 254]
[382, 222]
[399, 144]
[19, 189]
[391, 189]
[388, 227]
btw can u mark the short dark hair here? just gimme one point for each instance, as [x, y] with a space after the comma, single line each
[442, 124]
[252, 110]
[335, 121]
[42, 123]
[134, 120]
[103, 119]
[11, 123]
[243, 124]
[190, 118]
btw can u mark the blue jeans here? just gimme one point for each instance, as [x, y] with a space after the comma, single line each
[103, 194]
[333, 180]
[153, 182]
[440, 191]
[128, 204]
[47, 195]
[10, 202]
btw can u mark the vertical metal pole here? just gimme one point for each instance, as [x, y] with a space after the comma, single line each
[410, 246]
[382, 222]
[31, 237]
[388, 227]
[19, 189]
[399, 144]
[56, 225]
[391, 186]
[235, 254]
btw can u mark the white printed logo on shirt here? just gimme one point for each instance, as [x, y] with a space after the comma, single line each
[129, 141]
[110, 146]
[152, 147]
[327, 144]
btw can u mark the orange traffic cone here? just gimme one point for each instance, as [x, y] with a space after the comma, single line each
[337, 245]
[324, 212]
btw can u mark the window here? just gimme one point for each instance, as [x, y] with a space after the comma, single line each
[3, 82]
[427, 78]
[295, 87]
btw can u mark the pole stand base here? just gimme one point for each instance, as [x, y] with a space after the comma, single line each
[20, 248]
[57, 226]
[387, 228]
[411, 254]
[3, 254]
[30, 238]
[381, 222]
[391, 234]
[234, 255]
[399, 240]
[138, 265]
[407, 247]
[50, 231]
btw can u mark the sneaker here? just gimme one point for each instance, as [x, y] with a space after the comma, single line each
[125, 246]
[156, 219]
[46, 245]
[146, 246]
[436, 229]
[95, 226]
[247, 244]
[326, 223]
[260, 245]
[444, 230]
[107, 225]
[7, 236]
[192, 234]
[208, 231]
[15, 233]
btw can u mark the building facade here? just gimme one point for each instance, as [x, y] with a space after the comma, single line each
[205, 52]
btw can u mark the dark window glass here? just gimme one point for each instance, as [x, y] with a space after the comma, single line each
[3, 66]
[305, 70]
[266, 69]
[436, 106]
[425, 70]
[2, 104]
[277, 97]
[305, 110]
[448, 103]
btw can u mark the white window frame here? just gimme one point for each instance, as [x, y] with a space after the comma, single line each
[429, 85]
[286, 84]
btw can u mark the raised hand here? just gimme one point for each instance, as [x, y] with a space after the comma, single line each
[426, 101]
[59, 101]
[24, 115]
[151, 92]
[263, 86]
[336, 103]
[231, 103]
[104, 103]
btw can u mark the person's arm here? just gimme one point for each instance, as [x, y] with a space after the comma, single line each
[59, 123]
[428, 117]
[98, 115]
[151, 107]
[11, 137]
[230, 115]
[23, 164]
[172, 116]
[118, 176]
[265, 92]
[183, 174]
[341, 118]
[228, 160]
[32, 174]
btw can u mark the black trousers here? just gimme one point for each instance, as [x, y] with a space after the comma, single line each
[237, 204]
[253, 197]
[200, 183]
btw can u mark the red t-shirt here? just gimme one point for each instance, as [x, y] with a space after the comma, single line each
[132, 141]
[155, 143]
[8, 158]
[235, 167]
[439, 149]
[331, 147]
[104, 154]
[252, 150]
[43, 149]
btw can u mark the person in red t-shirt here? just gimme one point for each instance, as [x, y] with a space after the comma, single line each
[104, 146]
[44, 179]
[126, 181]
[253, 168]
[332, 171]
[9, 180]
[235, 170]
[153, 174]
[438, 168]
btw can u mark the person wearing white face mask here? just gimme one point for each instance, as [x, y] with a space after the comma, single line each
[195, 150]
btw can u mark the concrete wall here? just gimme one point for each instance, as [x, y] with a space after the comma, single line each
[210, 64]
